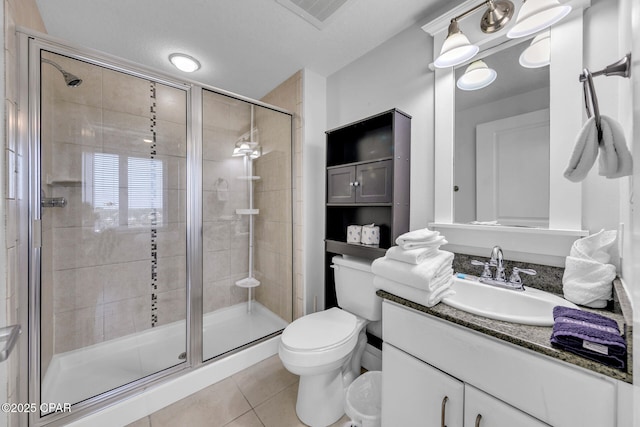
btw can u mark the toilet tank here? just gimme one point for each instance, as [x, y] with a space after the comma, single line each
[354, 287]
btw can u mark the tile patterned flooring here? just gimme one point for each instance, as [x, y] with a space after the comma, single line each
[263, 395]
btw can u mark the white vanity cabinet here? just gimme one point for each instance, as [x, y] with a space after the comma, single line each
[482, 410]
[416, 393]
[425, 357]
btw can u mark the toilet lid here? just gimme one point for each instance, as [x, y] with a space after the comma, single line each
[319, 330]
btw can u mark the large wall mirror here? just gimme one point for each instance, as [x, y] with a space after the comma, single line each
[496, 128]
[539, 212]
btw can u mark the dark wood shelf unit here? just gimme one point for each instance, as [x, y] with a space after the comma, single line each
[382, 159]
[368, 172]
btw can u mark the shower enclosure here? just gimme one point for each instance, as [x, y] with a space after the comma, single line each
[143, 223]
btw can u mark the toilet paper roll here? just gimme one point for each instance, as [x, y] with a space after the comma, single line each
[370, 234]
[354, 233]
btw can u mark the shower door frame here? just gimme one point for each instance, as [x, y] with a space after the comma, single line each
[31, 46]
[30, 43]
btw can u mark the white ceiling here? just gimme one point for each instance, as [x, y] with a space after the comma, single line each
[245, 46]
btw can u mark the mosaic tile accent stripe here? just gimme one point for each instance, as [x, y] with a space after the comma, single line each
[153, 213]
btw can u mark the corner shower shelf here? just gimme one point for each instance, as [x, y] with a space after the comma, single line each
[249, 178]
[247, 211]
[248, 282]
[62, 181]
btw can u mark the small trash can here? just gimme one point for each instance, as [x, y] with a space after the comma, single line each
[363, 400]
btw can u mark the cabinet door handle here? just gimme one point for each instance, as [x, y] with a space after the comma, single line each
[351, 184]
[356, 183]
[478, 418]
[442, 414]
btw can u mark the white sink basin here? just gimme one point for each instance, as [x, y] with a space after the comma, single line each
[528, 307]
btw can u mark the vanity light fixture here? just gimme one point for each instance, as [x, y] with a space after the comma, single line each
[457, 48]
[536, 15]
[538, 53]
[185, 63]
[477, 76]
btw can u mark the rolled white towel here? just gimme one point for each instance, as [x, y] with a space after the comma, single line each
[420, 239]
[615, 159]
[412, 256]
[420, 296]
[587, 282]
[595, 247]
[422, 276]
[584, 153]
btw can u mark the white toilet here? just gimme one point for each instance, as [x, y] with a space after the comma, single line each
[325, 348]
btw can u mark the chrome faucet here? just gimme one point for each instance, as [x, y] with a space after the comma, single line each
[497, 261]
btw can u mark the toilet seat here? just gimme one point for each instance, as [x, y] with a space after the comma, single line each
[320, 339]
[320, 331]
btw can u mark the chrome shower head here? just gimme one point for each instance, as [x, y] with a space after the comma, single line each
[70, 79]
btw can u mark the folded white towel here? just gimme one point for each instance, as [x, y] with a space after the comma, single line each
[588, 282]
[420, 296]
[615, 159]
[412, 256]
[420, 239]
[426, 275]
[584, 153]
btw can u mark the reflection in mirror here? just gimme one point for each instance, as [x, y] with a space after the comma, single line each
[501, 163]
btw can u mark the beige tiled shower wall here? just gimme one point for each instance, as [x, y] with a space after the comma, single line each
[23, 13]
[288, 95]
[96, 283]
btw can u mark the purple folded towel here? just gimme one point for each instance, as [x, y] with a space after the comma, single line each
[589, 335]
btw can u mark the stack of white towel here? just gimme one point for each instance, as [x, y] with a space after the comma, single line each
[416, 269]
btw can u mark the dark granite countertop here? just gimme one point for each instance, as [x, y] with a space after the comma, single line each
[536, 338]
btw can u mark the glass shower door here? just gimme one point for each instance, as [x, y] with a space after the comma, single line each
[112, 286]
[247, 223]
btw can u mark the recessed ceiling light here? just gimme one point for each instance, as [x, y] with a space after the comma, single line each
[184, 62]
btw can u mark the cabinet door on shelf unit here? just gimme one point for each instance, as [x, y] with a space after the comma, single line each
[417, 394]
[374, 182]
[341, 185]
[483, 410]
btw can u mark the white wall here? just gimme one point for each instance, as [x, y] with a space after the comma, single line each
[394, 75]
[629, 104]
[314, 89]
[601, 196]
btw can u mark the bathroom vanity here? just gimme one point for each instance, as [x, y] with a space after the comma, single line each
[442, 367]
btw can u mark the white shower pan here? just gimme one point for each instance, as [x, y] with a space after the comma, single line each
[81, 374]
